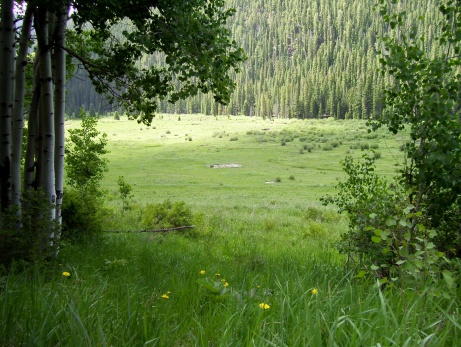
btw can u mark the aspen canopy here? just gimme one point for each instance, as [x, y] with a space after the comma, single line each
[46, 37]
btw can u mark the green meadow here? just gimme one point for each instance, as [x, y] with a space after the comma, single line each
[260, 268]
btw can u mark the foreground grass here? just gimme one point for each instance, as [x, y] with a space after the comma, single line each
[172, 290]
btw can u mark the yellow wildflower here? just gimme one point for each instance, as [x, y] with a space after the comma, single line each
[165, 296]
[314, 291]
[202, 272]
[66, 274]
[264, 306]
[218, 275]
[226, 284]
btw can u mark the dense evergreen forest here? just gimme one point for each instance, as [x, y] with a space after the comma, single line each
[306, 59]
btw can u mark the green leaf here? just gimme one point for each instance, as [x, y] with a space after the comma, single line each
[376, 239]
[361, 274]
[391, 222]
[403, 252]
[447, 276]
[374, 267]
[400, 262]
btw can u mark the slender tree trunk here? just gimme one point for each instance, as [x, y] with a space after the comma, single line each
[29, 163]
[59, 109]
[6, 98]
[47, 112]
[18, 112]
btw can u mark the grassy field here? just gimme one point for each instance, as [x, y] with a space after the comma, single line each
[172, 158]
[260, 269]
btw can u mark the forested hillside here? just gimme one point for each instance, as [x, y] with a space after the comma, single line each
[306, 59]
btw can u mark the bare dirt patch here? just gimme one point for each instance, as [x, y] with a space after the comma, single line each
[224, 166]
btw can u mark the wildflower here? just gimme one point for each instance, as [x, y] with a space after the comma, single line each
[226, 284]
[202, 272]
[218, 275]
[264, 306]
[66, 274]
[223, 280]
[314, 291]
[165, 296]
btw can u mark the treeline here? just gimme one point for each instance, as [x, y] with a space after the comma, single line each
[306, 59]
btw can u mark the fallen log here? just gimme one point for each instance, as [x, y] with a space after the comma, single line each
[168, 229]
[164, 230]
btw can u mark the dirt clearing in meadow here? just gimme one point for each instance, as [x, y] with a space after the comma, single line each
[224, 166]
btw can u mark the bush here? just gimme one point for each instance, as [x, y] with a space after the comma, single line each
[26, 236]
[167, 215]
[369, 202]
[82, 216]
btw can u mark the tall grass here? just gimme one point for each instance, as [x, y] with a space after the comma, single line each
[113, 297]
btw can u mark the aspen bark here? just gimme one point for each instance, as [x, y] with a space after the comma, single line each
[46, 111]
[18, 111]
[6, 99]
[59, 108]
[32, 134]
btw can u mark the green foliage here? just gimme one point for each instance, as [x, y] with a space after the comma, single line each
[204, 62]
[25, 236]
[415, 259]
[166, 215]
[124, 189]
[368, 200]
[83, 216]
[84, 147]
[424, 98]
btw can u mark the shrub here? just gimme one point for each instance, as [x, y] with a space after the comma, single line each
[82, 216]
[234, 138]
[25, 236]
[369, 201]
[166, 215]
[278, 179]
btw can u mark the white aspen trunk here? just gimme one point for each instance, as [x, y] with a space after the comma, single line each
[6, 99]
[18, 111]
[29, 163]
[47, 112]
[59, 110]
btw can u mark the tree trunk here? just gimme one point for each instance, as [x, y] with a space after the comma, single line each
[46, 111]
[18, 111]
[29, 163]
[6, 98]
[59, 108]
